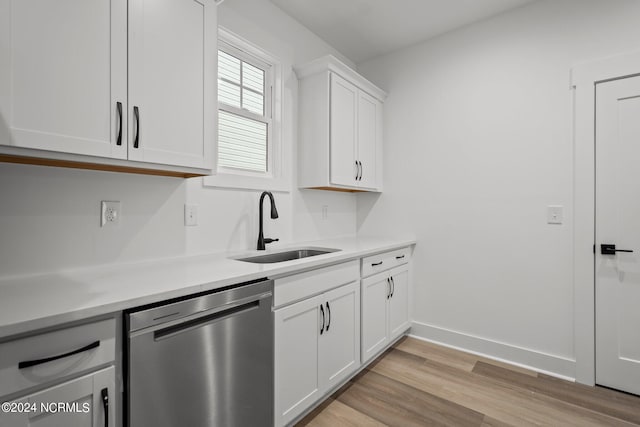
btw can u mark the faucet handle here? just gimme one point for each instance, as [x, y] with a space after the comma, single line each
[268, 240]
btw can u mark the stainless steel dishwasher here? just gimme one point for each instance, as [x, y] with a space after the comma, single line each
[203, 361]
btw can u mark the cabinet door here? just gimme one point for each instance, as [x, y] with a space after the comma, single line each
[172, 72]
[62, 73]
[399, 302]
[340, 340]
[80, 399]
[343, 105]
[375, 293]
[369, 127]
[297, 385]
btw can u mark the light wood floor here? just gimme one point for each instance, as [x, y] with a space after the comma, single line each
[420, 384]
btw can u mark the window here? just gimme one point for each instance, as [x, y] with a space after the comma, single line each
[250, 150]
[244, 116]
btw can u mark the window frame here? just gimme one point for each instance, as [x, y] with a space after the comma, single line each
[266, 118]
[276, 176]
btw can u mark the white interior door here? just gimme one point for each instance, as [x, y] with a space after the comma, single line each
[618, 223]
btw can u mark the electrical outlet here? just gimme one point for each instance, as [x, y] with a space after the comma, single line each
[190, 215]
[110, 213]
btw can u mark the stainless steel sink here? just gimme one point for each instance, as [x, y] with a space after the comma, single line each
[287, 255]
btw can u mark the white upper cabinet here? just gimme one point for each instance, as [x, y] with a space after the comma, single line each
[109, 82]
[63, 71]
[369, 145]
[169, 75]
[340, 128]
[343, 128]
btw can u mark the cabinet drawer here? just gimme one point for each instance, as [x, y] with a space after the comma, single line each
[304, 285]
[384, 261]
[53, 344]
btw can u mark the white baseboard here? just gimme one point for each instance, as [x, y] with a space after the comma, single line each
[545, 363]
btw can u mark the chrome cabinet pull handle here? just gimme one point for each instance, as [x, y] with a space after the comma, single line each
[119, 108]
[375, 264]
[322, 311]
[30, 363]
[393, 287]
[136, 113]
[400, 257]
[388, 288]
[361, 170]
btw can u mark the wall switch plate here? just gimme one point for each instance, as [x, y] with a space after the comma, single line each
[555, 214]
[110, 213]
[190, 215]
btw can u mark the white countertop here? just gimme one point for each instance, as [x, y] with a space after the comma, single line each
[34, 302]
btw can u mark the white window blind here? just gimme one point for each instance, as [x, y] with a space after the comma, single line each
[244, 112]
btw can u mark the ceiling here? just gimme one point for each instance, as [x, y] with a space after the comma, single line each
[364, 29]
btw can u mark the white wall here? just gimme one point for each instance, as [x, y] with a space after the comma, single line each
[265, 25]
[49, 217]
[477, 144]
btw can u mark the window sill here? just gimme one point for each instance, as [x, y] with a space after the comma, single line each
[240, 182]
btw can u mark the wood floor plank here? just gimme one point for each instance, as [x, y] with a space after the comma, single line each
[437, 353]
[614, 404]
[417, 383]
[520, 370]
[317, 412]
[506, 403]
[491, 422]
[452, 357]
[416, 405]
[601, 392]
[407, 370]
[379, 409]
[337, 413]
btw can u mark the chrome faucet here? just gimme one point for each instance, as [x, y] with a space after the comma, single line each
[274, 215]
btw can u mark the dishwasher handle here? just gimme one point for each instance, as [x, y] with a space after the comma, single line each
[209, 318]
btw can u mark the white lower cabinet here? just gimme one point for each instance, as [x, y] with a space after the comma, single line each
[399, 302]
[375, 314]
[61, 378]
[385, 309]
[82, 402]
[339, 343]
[297, 383]
[317, 345]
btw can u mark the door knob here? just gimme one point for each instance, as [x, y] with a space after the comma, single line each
[611, 250]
